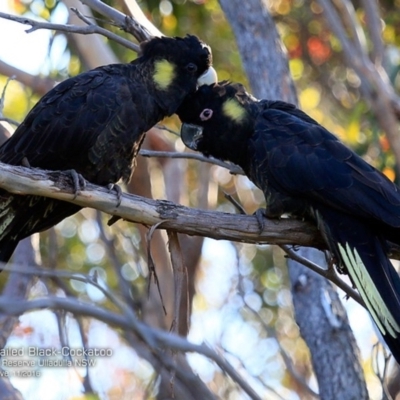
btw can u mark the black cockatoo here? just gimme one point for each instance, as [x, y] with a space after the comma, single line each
[94, 124]
[305, 171]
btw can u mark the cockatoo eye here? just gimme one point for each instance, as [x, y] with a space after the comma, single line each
[191, 67]
[206, 114]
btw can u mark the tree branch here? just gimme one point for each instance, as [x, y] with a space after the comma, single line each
[136, 12]
[133, 25]
[127, 321]
[233, 169]
[180, 278]
[84, 30]
[216, 225]
[328, 273]
[162, 214]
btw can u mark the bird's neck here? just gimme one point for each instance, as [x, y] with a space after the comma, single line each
[166, 100]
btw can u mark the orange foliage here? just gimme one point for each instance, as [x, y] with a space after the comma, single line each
[384, 143]
[318, 50]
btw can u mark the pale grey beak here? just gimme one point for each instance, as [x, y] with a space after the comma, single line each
[209, 77]
[191, 134]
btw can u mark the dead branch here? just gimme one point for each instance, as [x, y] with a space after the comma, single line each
[180, 278]
[126, 23]
[83, 30]
[216, 225]
[162, 214]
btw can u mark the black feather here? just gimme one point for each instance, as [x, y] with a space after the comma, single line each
[94, 124]
[306, 171]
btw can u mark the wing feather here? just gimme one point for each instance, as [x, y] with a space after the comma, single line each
[302, 159]
[68, 121]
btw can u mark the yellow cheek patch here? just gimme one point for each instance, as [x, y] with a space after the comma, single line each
[164, 73]
[232, 109]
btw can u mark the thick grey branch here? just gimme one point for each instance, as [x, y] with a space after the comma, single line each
[217, 225]
[323, 317]
[162, 214]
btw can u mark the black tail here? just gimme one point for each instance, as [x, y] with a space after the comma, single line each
[362, 252]
[7, 217]
[22, 216]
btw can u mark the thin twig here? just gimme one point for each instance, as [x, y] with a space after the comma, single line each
[326, 273]
[151, 265]
[87, 383]
[113, 257]
[271, 332]
[381, 375]
[126, 23]
[235, 203]
[152, 336]
[360, 63]
[50, 273]
[165, 128]
[115, 37]
[233, 169]
[180, 278]
[83, 30]
[180, 283]
[257, 378]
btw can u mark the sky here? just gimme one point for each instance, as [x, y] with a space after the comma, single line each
[27, 51]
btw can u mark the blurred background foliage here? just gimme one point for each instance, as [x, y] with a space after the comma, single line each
[251, 280]
[328, 90]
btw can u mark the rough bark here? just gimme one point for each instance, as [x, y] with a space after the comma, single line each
[174, 178]
[191, 221]
[261, 49]
[16, 288]
[325, 328]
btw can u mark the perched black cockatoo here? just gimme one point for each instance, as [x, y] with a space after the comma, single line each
[94, 124]
[305, 171]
